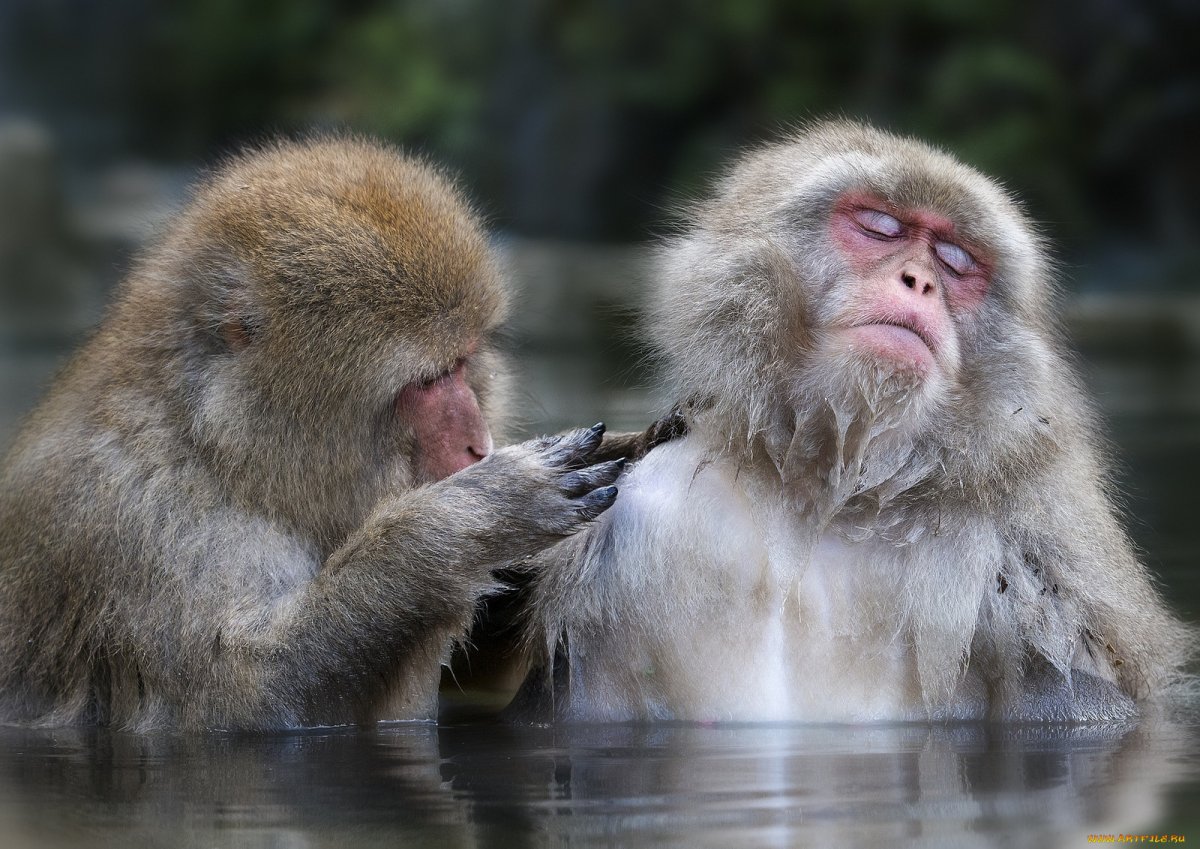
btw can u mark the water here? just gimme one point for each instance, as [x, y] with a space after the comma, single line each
[477, 784]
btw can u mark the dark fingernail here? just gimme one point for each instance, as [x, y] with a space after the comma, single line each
[620, 463]
[598, 427]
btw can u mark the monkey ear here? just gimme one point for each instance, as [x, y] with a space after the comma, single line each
[227, 308]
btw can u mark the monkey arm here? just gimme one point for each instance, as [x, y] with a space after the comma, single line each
[368, 633]
[1078, 592]
[1049, 696]
[374, 624]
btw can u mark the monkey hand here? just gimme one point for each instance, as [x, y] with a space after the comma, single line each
[535, 493]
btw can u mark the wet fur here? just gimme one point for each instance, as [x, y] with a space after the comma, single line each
[212, 518]
[895, 550]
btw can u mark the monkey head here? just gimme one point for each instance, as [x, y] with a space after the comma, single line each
[331, 308]
[844, 285]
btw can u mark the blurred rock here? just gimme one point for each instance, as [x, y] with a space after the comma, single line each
[574, 334]
[46, 292]
[63, 246]
[1162, 325]
[128, 204]
[48, 296]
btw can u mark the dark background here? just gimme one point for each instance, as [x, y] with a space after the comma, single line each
[583, 120]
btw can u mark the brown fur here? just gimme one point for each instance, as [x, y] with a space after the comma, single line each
[211, 520]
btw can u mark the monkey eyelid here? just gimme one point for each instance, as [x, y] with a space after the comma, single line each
[877, 223]
[458, 365]
[954, 258]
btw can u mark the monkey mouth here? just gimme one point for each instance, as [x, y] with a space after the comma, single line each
[901, 340]
[908, 324]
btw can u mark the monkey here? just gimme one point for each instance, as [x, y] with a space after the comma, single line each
[265, 493]
[891, 503]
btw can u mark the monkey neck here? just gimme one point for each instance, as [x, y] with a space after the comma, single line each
[855, 469]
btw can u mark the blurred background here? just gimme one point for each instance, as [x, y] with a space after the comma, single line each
[577, 126]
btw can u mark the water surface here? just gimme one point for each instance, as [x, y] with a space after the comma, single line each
[477, 784]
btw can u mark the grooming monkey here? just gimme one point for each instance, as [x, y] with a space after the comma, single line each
[265, 493]
[890, 504]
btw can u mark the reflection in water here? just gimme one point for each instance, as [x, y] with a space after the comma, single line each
[479, 784]
[316, 788]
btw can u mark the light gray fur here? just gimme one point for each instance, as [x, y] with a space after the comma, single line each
[901, 549]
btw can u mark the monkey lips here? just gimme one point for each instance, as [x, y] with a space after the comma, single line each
[904, 342]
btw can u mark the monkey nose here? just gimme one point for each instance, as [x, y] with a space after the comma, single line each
[918, 280]
[481, 446]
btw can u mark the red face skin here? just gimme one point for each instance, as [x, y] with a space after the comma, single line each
[447, 423]
[915, 273]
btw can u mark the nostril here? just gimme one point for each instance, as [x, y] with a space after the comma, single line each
[909, 280]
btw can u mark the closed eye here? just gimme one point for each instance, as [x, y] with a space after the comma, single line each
[458, 366]
[955, 258]
[879, 223]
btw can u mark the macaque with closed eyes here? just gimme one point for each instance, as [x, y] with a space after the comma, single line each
[890, 504]
[265, 493]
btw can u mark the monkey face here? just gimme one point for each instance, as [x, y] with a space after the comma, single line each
[909, 272]
[449, 429]
[851, 271]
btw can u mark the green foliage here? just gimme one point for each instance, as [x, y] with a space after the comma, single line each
[411, 71]
[585, 117]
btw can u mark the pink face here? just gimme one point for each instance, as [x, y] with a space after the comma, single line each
[914, 274]
[446, 421]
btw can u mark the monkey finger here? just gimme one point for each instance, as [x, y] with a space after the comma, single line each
[595, 503]
[583, 481]
[573, 449]
[671, 426]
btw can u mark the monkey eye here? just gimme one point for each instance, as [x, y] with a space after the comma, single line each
[458, 366]
[878, 223]
[954, 257]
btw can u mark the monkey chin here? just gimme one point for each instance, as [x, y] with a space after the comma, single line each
[883, 369]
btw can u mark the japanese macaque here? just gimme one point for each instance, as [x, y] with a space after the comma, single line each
[265, 493]
[890, 504]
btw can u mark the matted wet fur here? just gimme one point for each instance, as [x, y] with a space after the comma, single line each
[840, 538]
[227, 512]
